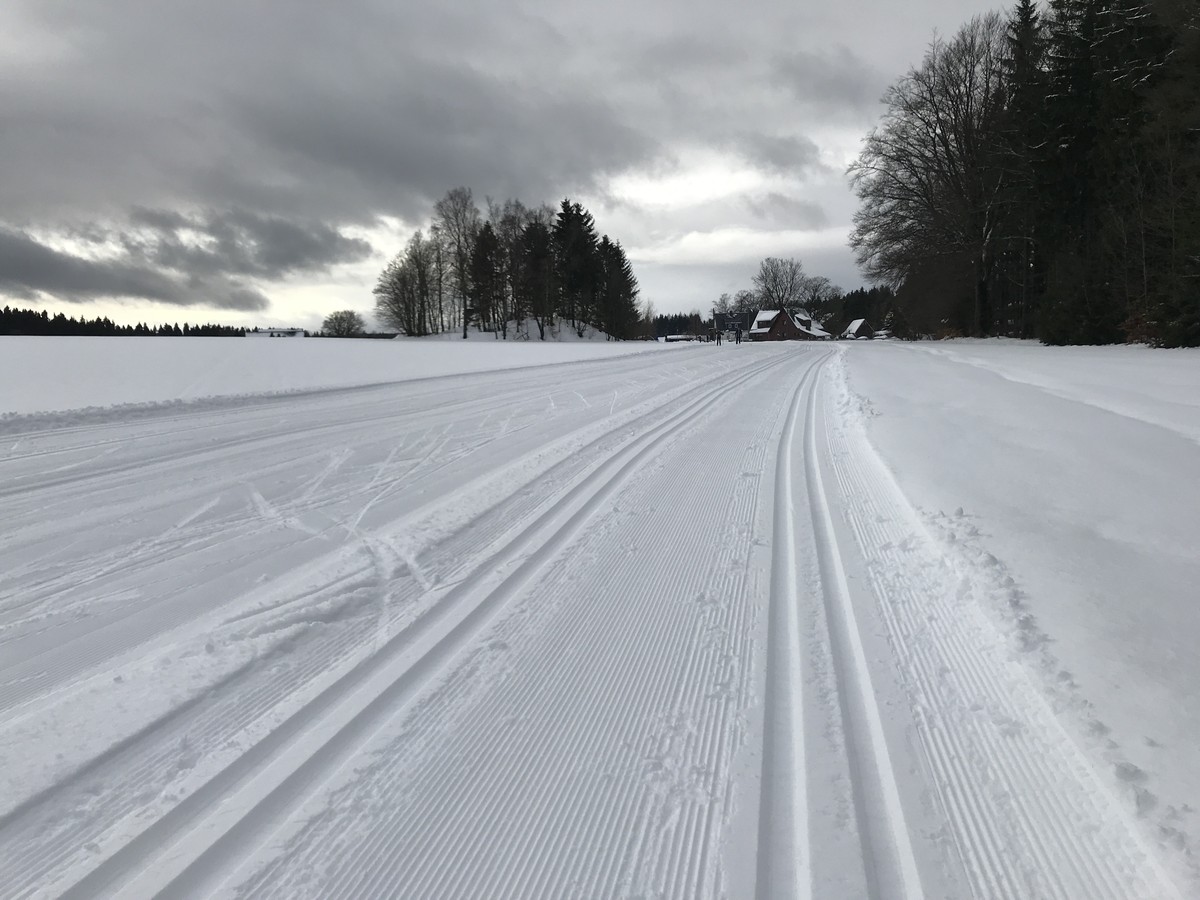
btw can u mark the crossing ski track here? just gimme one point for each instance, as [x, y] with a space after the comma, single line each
[660, 626]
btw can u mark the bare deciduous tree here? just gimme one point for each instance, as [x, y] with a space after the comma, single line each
[819, 296]
[779, 283]
[459, 221]
[408, 293]
[928, 178]
[744, 302]
[344, 323]
[508, 220]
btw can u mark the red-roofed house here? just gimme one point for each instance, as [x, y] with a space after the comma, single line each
[781, 325]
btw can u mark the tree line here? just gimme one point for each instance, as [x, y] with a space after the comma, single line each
[31, 322]
[1038, 175]
[515, 265]
[784, 284]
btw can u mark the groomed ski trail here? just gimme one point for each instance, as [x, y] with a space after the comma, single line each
[1028, 814]
[660, 626]
[874, 847]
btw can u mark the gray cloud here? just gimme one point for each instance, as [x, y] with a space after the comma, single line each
[396, 150]
[707, 57]
[834, 82]
[30, 269]
[222, 145]
[780, 154]
[788, 212]
[170, 257]
[238, 243]
[302, 111]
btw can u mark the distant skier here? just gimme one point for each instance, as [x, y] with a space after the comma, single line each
[737, 333]
[717, 334]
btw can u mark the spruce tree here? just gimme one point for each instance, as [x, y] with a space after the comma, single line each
[486, 282]
[577, 263]
[536, 278]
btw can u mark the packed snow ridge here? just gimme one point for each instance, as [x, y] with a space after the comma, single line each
[413, 618]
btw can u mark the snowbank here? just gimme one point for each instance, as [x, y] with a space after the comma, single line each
[1071, 473]
[49, 374]
[1161, 387]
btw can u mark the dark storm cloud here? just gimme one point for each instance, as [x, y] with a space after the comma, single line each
[301, 110]
[169, 257]
[396, 149]
[779, 154]
[30, 269]
[237, 242]
[836, 81]
[220, 145]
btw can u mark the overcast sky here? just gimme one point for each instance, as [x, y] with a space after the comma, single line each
[257, 161]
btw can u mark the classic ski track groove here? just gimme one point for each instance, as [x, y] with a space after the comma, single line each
[785, 849]
[1029, 815]
[887, 845]
[424, 847]
[261, 698]
[374, 758]
[18, 687]
[784, 856]
[419, 651]
[251, 703]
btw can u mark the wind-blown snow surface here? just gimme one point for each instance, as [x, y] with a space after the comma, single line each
[1067, 483]
[664, 624]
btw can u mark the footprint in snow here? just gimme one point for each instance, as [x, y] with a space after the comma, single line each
[1127, 771]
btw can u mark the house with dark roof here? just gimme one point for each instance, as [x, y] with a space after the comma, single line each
[858, 329]
[785, 325]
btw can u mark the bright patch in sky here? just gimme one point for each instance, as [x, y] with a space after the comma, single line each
[706, 178]
[731, 245]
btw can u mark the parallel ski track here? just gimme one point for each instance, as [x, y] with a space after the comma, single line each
[537, 787]
[785, 864]
[260, 785]
[1029, 816]
[424, 425]
[103, 511]
[784, 858]
[262, 436]
[411, 414]
[24, 680]
[183, 415]
[888, 855]
[266, 434]
[248, 696]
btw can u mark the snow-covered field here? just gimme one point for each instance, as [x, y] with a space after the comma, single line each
[40, 374]
[870, 620]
